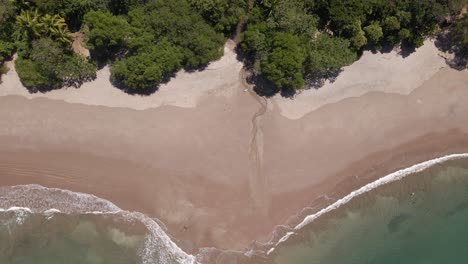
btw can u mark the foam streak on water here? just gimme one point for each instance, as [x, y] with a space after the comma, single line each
[25, 200]
[395, 176]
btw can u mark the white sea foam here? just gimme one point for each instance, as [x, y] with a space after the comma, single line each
[52, 211]
[270, 251]
[395, 176]
[18, 209]
[21, 213]
[28, 199]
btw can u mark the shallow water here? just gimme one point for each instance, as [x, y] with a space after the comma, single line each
[422, 218]
[60, 238]
[41, 225]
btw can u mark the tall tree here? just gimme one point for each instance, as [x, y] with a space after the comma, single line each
[146, 69]
[28, 21]
[51, 66]
[107, 35]
[329, 54]
[284, 65]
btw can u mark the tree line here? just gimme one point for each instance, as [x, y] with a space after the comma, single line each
[291, 43]
[297, 41]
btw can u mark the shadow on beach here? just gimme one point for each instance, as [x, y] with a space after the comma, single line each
[456, 59]
[143, 91]
[314, 80]
[45, 88]
[152, 89]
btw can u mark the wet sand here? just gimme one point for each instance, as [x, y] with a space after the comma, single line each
[227, 169]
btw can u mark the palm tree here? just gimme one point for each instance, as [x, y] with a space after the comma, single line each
[49, 23]
[61, 34]
[35, 25]
[29, 21]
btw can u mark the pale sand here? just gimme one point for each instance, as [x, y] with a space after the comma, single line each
[78, 45]
[388, 72]
[184, 91]
[224, 172]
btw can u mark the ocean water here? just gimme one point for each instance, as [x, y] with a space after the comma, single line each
[420, 219]
[416, 215]
[41, 225]
[63, 238]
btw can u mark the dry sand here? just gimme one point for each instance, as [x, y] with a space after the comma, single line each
[221, 167]
[184, 91]
[387, 72]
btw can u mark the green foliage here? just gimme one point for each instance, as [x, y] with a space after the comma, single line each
[7, 18]
[6, 50]
[455, 6]
[126, 31]
[419, 17]
[32, 25]
[122, 7]
[30, 74]
[50, 66]
[329, 54]
[284, 40]
[224, 15]
[284, 65]
[254, 39]
[107, 35]
[391, 23]
[146, 69]
[179, 24]
[72, 10]
[455, 41]
[358, 38]
[3, 70]
[346, 28]
[459, 32]
[75, 70]
[28, 25]
[7, 22]
[374, 32]
[404, 34]
[291, 16]
[54, 26]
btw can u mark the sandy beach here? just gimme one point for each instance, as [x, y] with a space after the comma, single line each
[221, 167]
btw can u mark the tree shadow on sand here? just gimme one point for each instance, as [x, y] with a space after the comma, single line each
[261, 85]
[315, 80]
[48, 88]
[457, 58]
[40, 89]
[143, 91]
[404, 49]
[154, 88]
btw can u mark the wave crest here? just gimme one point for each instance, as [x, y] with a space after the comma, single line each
[25, 200]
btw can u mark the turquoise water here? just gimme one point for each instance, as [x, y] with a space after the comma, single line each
[421, 219]
[40, 225]
[71, 239]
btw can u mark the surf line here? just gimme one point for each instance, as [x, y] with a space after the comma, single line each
[392, 177]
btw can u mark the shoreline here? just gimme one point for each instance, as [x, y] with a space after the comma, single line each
[193, 168]
[330, 209]
[387, 179]
[337, 184]
[85, 204]
[399, 195]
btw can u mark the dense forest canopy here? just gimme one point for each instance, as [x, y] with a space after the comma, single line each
[329, 34]
[290, 43]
